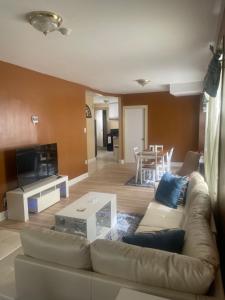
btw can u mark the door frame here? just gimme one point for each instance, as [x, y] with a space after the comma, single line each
[145, 107]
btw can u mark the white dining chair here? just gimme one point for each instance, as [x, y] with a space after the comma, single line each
[136, 158]
[150, 169]
[142, 165]
[151, 148]
[168, 160]
[158, 148]
[136, 151]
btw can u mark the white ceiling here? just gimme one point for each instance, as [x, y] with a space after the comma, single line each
[114, 42]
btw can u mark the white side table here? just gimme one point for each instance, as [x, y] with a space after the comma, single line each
[127, 294]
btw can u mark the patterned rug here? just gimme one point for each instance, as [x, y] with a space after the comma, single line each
[126, 224]
[145, 183]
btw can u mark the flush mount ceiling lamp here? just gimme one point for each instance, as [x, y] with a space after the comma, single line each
[46, 22]
[142, 82]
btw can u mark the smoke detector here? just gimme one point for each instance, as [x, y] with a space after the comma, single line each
[46, 21]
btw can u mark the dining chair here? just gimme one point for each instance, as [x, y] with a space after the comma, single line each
[147, 170]
[151, 148]
[142, 165]
[158, 148]
[150, 168]
[136, 158]
[136, 151]
[169, 155]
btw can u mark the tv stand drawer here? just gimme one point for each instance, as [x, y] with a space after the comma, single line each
[43, 200]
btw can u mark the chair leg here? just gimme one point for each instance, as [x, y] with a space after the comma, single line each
[137, 171]
[154, 175]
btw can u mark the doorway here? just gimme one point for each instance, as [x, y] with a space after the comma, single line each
[101, 129]
[103, 138]
[135, 130]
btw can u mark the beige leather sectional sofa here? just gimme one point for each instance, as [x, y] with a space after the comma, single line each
[62, 266]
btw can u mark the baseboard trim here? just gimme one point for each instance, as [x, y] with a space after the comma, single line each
[3, 215]
[78, 179]
[91, 160]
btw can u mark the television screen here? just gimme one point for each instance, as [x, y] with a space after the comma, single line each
[36, 163]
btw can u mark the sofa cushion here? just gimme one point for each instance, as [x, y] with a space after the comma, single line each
[57, 247]
[169, 189]
[199, 240]
[152, 267]
[171, 240]
[162, 217]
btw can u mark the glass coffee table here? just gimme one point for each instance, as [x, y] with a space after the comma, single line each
[92, 216]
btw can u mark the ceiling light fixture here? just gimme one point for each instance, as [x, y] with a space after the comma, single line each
[46, 22]
[142, 82]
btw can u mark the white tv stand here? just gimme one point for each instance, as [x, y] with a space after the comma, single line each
[36, 197]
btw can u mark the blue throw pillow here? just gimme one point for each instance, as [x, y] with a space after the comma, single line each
[169, 189]
[171, 240]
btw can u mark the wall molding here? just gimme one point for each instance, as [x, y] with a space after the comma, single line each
[3, 215]
[78, 179]
[91, 160]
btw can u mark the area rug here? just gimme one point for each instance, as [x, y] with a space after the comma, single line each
[10, 241]
[145, 183]
[126, 224]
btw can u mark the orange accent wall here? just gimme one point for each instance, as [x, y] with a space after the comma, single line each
[59, 105]
[172, 121]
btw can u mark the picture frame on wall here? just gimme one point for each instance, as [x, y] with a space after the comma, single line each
[88, 111]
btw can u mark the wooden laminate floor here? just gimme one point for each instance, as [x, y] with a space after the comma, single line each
[105, 175]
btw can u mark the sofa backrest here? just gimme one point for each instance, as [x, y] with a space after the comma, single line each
[57, 247]
[199, 240]
[197, 198]
[152, 267]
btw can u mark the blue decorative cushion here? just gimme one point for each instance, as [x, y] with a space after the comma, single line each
[169, 189]
[171, 240]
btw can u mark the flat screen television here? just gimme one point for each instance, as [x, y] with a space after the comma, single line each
[35, 163]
